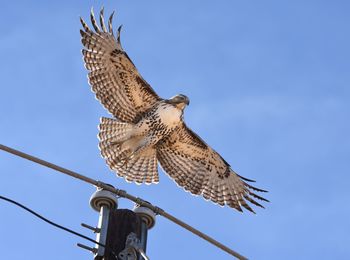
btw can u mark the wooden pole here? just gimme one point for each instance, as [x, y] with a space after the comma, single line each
[121, 223]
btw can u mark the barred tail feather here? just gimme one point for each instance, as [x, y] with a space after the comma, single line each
[112, 134]
[142, 168]
[116, 141]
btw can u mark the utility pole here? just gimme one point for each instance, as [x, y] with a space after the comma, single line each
[123, 194]
[120, 233]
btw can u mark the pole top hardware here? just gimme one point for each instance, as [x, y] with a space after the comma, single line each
[147, 215]
[94, 229]
[103, 197]
[132, 246]
[91, 249]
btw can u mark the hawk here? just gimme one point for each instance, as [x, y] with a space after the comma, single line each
[147, 129]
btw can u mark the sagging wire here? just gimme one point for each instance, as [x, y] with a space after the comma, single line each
[53, 223]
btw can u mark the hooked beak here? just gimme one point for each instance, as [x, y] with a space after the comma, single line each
[179, 101]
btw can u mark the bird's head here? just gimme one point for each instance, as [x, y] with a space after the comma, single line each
[180, 101]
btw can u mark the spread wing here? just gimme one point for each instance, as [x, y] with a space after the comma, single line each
[113, 76]
[196, 167]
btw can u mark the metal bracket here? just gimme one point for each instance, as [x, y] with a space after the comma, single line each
[94, 229]
[132, 246]
[91, 249]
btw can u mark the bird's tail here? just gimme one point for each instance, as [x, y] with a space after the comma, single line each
[117, 145]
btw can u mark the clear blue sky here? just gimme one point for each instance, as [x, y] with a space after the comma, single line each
[269, 89]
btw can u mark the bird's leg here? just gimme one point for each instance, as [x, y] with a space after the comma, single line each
[120, 141]
[131, 154]
[132, 147]
[126, 157]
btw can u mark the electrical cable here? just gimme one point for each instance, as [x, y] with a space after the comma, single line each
[51, 222]
[124, 194]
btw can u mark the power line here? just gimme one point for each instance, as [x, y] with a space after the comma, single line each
[49, 221]
[124, 194]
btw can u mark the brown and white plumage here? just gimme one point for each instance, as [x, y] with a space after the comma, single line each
[197, 168]
[113, 77]
[148, 129]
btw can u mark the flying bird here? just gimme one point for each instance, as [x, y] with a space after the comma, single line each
[147, 129]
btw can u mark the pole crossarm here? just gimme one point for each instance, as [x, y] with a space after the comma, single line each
[123, 194]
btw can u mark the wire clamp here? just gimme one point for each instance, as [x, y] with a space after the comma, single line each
[157, 210]
[132, 246]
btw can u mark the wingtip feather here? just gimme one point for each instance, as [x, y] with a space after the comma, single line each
[93, 20]
[118, 35]
[102, 20]
[110, 21]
